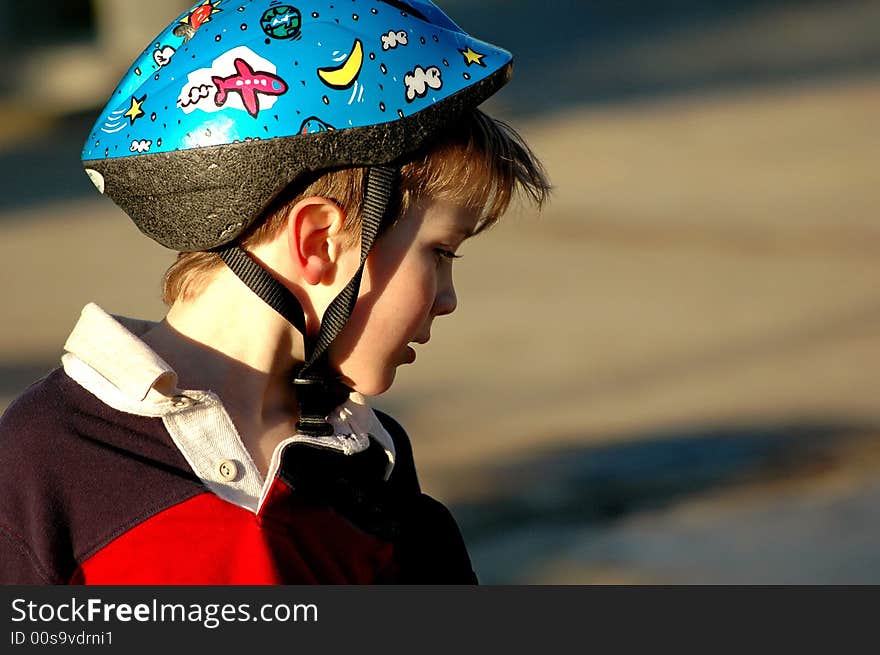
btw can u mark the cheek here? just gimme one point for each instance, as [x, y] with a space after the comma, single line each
[391, 309]
[415, 292]
[399, 284]
[403, 288]
[404, 304]
[364, 354]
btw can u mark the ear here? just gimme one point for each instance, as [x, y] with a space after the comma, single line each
[313, 229]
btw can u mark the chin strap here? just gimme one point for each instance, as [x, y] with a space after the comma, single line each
[318, 387]
[258, 280]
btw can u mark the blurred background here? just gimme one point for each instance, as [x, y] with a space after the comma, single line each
[669, 376]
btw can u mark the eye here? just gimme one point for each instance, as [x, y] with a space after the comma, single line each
[446, 254]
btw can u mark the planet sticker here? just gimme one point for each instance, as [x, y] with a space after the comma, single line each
[282, 22]
[314, 125]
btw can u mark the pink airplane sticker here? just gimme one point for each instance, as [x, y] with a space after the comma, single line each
[248, 83]
[237, 79]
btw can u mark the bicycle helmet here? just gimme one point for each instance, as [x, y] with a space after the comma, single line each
[237, 99]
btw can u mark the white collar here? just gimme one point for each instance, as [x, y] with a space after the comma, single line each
[105, 356]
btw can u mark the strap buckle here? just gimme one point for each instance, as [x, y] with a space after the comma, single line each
[317, 397]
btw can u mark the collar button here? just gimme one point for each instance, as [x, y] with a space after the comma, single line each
[228, 470]
[181, 402]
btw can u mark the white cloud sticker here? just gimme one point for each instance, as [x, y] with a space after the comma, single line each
[194, 95]
[420, 80]
[140, 146]
[163, 55]
[393, 39]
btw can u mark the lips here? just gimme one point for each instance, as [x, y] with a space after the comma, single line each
[410, 351]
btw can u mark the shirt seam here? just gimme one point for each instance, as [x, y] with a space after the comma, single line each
[21, 544]
[141, 518]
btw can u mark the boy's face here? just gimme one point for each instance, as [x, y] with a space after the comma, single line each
[407, 283]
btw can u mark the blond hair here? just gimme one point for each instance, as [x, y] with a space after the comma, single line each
[479, 163]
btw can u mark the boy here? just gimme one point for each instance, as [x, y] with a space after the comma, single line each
[317, 169]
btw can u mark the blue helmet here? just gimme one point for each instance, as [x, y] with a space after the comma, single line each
[237, 99]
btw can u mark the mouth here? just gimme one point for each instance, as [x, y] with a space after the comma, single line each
[410, 351]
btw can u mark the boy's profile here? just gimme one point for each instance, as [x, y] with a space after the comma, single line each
[318, 168]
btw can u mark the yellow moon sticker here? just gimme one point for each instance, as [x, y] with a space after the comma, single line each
[343, 76]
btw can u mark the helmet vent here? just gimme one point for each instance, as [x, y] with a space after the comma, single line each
[412, 11]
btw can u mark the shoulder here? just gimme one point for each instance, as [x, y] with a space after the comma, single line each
[404, 477]
[53, 420]
[29, 438]
[431, 547]
[74, 472]
[42, 405]
[57, 421]
[402, 444]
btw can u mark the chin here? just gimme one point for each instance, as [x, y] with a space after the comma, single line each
[375, 384]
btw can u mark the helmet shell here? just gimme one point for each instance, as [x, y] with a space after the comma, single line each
[236, 99]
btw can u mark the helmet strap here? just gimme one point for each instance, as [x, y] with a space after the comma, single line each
[318, 388]
[377, 197]
[267, 288]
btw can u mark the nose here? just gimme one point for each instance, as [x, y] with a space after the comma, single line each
[446, 300]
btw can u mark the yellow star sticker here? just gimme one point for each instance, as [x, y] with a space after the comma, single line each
[471, 57]
[135, 112]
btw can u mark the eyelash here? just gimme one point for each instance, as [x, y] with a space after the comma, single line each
[448, 254]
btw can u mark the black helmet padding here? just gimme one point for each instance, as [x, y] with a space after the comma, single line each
[211, 195]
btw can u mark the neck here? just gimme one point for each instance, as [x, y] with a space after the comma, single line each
[230, 342]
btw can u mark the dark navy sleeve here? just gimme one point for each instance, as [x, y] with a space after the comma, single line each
[404, 479]
[21, 497]
[74, 475]
[431, 549]
[18, 564]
